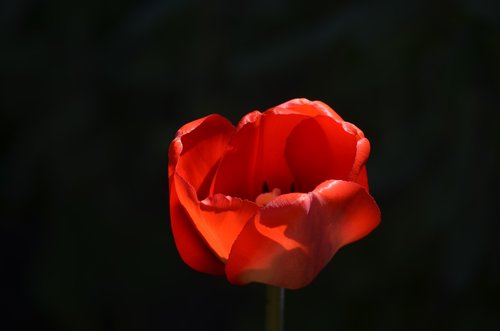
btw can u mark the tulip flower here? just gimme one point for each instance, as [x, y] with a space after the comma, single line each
[272, 199]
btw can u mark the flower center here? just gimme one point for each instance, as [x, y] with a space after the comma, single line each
[264, 198]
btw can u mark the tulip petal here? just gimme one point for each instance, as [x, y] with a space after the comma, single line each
[319, 149]
[219, 219]
[358, 172]
[197, 149]
[293, 237]
[304, 106]
[363, 178]
[257, 156]
[191, 246]
[195, 153]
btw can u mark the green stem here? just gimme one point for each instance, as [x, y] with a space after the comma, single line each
[275, 308]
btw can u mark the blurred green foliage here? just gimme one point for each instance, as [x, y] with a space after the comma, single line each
[94, 92]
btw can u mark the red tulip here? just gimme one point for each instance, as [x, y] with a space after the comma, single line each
[272, 199]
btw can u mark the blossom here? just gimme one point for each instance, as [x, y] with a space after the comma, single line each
[272, 199]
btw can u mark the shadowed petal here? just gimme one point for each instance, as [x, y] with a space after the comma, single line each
[319, 149]
[363, 178]
[191, 246]
[296, 235]
[257, 155]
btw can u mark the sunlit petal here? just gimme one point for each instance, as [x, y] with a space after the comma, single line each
[296, 235]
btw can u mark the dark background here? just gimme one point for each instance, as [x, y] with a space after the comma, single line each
[94, 91]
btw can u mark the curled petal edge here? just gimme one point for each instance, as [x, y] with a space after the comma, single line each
[303, 106]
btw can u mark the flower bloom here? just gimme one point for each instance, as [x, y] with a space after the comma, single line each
[272, 199]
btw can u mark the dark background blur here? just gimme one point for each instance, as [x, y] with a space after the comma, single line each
[94, 91]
